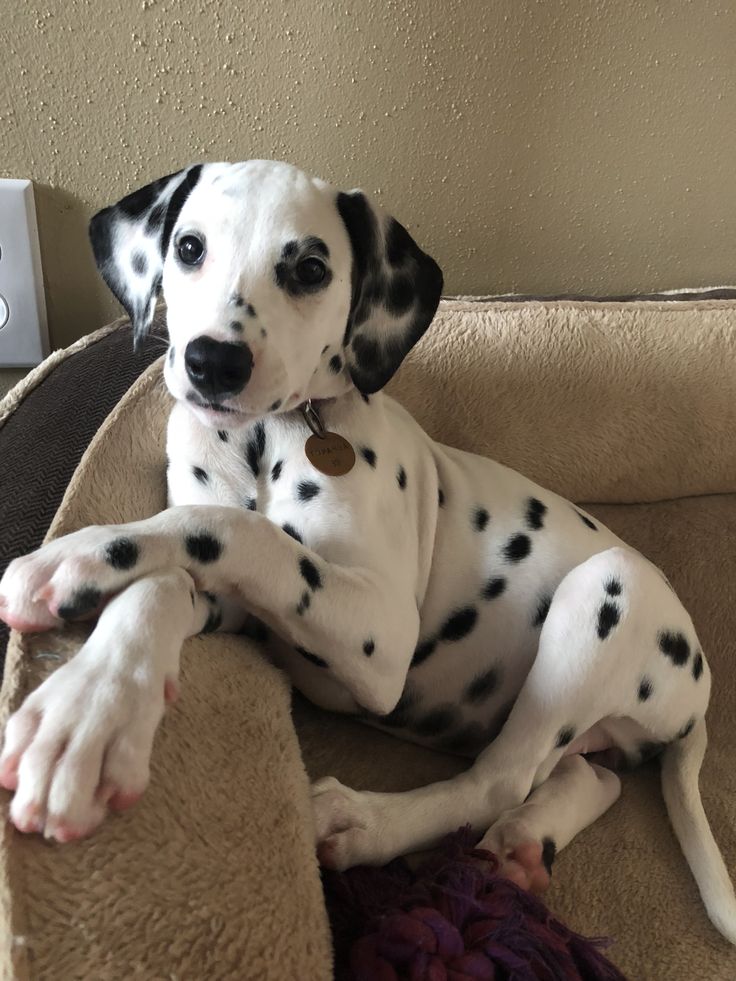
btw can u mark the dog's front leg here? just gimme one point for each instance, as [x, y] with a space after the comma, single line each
[358, 624]
[81, 742]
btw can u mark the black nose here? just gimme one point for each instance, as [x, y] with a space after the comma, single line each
[217, 368]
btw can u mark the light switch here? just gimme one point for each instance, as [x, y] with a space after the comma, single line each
[23, 332]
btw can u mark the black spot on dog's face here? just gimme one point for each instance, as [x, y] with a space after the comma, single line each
[368, 455]
[336, 364]
[275, 405]
[401, 478]
[697, 666]
[459, 624]
[204, 548]
[608, 617]
[482, 687]
[306, 490]
[223, 435]
[540, 614]
[369, 647]
[236, 326]
[237, 300]
[517, 548]
[535, 512]
[586, 520]
[480, 519]
[84, 600]
[613, 587]
[291, 530]
[564, 737]
[256, 447]
[309, 573]
[122, 553]
[276, 470]
[250, 309]
[674, 646]
[422, 652]
[304, 603]
[319, 662]
[494, 587]
[437, 721]
[201, 475]
[549, 852]
[303, 268]
[646, 689]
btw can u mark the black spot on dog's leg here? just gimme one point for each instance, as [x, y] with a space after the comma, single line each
[564, 737]
[423, 651]
[675, 647]
[459, 624]
[482, 687]
[368, 455]
[139, 263]
[204, 548]
[251, 503]
[122, 553]
[686, 729]
[535, 512]
[276, 470]
[291, 530]
[549, 853]
[202, 476]
[310, 573]
[336, 364]
[608, 617]
[494, 587]
[613, 587]
[646, 690]
[401, 478]
[480, 519]
[586, 520]
[85, 600]
[223, 435]
[540, 614]
[369, 647]
[304, 603]
[517, 548]
[440, 497]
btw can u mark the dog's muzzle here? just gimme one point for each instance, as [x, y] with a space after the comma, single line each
[217, 368]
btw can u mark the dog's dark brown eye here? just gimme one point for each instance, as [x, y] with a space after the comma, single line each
[190, 250]
[310, 271]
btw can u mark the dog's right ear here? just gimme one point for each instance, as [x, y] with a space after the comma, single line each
[130, 240]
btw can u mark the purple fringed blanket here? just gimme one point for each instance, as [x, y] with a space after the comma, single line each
[452, 920]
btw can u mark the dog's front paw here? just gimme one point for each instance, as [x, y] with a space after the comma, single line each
[66, 579]
[80, 744]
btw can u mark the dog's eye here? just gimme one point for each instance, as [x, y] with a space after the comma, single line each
[190, 250]
[310, 271]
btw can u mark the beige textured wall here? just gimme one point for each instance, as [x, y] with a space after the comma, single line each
[533, 146]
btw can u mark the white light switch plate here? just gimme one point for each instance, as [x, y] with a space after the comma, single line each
[24, 339]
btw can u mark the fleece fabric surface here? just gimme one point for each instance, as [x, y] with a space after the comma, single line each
[213, 875]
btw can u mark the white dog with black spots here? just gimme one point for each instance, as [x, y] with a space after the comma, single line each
[432, 593]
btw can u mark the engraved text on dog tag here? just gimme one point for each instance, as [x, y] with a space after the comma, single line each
[330, 453]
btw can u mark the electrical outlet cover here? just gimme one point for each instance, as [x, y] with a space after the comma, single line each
[24, 337]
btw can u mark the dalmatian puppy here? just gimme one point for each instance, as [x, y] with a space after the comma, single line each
[432, 593]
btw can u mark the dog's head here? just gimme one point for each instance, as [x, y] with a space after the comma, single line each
[278, 288]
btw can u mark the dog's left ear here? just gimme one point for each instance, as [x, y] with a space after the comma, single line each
[130, 240]
[395, 291]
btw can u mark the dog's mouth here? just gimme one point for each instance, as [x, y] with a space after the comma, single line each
[211, 406]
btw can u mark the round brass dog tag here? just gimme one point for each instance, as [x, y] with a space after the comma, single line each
[330, 454]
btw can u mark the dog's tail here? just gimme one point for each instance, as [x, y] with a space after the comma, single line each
[680, 768]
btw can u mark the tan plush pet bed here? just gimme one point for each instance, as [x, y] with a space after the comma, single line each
[631, 406]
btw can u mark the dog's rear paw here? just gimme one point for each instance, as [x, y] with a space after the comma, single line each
[345, 826]
[80, 745]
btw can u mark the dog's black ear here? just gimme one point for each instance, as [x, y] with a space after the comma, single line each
[395, 291]
[130, 240]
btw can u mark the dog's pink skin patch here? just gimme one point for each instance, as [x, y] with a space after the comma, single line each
[26, 626]
[9, 772]
[121, 801]
[31, 821]
[171, 691]
[64, 833]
